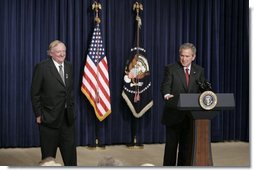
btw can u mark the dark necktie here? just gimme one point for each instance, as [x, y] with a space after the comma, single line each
[187, 76]
[61, 72]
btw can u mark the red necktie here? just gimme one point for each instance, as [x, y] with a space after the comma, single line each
[187, 76]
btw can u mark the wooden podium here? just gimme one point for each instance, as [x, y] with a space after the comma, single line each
[201, 147]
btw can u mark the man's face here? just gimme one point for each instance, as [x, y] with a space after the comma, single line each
[186, 57]
[58, 53]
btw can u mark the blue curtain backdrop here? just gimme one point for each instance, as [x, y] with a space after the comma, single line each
[218, 28]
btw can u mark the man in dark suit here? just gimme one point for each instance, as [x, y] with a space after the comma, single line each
[179, 78]
[53, 104]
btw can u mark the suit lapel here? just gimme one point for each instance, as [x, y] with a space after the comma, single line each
[55, 72]
[193, 74]
[66, 74]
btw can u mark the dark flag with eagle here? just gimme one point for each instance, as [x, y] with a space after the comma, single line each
[137, 79]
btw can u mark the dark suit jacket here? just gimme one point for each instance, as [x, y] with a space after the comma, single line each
[49, 94]
[174, 83]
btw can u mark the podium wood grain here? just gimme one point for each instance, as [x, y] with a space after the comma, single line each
[202, 155]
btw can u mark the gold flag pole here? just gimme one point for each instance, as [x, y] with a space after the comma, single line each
[137, 7]
[96, 7]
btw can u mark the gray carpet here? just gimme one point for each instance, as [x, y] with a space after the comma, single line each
[225, 154]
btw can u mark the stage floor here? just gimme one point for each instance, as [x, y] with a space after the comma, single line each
[225, 154]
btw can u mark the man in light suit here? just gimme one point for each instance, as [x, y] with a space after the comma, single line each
[179, 124]
[53, 104]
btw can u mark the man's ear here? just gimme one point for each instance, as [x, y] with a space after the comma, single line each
[193, 57]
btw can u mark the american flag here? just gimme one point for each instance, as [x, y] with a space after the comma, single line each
[95, 80]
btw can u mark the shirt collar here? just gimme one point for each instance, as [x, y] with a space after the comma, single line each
[189, 67]
[57, 64]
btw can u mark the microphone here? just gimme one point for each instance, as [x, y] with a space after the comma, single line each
[208, 85]
[198, 82]
[201, 86]
[204, 86]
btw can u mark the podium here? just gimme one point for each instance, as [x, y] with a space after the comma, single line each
[201, 147]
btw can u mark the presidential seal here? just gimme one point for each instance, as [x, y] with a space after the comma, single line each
[208, 100]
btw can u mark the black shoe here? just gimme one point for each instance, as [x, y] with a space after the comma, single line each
[130, 145]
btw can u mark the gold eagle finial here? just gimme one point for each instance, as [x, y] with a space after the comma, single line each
[96, 7]
[137, 7]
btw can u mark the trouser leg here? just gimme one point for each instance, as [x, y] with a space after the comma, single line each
[170, 153]
[185, 143]
[48, 141]
[68, 144]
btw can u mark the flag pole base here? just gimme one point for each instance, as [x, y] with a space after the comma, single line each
[97, 146]
[135, 146]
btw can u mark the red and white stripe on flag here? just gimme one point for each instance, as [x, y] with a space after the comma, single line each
[95, 80]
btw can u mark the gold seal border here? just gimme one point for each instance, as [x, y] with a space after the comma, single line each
[204, 106]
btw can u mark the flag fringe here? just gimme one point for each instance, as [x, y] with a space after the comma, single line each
[142, 112]
[101, 118]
